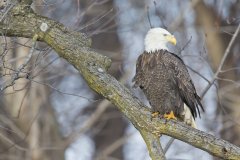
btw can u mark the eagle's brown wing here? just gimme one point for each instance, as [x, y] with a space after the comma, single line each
[166, 82]
[153, 77]
[144, 67]
[183, 82]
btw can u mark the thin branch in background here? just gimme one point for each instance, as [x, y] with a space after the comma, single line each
[199, 74]
[230, 69]
[101, 2]
[225, 90]
[225, 113]
[227, 52]
[16, 144]
[59, 91]
[45, 67]
[84, 11]
[159, 14]
[10, 127]
[237, 84]
[232, 20]
[113, 147]
[25, 45]
[102, 107]
[40, 58]
[103, 27]
[95, 20]
[149, 19]
[13, 144]
[184, 47]
[17, 75]
[21, 104]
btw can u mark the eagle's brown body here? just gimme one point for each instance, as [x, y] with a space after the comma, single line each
[164, 79]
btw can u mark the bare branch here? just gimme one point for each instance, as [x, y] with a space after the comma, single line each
[62, 92]
[153, 145]
[148, 16]
[17, 75]
[222, 61]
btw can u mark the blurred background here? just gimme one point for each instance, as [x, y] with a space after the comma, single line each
[55, 116]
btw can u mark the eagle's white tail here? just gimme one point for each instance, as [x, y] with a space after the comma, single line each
[188, 118]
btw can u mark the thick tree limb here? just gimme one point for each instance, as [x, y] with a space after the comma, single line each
[74, 47]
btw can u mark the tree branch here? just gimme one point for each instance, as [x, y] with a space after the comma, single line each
[153, 144]
[74, 47]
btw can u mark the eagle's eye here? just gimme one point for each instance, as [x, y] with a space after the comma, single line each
[164, 34]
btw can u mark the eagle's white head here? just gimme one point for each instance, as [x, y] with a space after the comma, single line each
[157, 39]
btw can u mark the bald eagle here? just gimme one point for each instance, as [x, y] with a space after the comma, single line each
[165, 80]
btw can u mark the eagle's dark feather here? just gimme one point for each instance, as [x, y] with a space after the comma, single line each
[165, 80]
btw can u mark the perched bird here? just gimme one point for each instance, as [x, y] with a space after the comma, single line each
[165, 80]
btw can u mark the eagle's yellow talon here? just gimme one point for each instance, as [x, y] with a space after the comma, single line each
[170, 116]
[155, 114]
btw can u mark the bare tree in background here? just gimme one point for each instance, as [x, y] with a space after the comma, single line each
[228, 77]
[31, 128]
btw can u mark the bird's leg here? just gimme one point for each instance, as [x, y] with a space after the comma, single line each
[170, 115]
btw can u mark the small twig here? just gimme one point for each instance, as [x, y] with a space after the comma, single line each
[148, 16]
[230, 69]
[200, 75]
[59, 91]
[17, 75]
[95, 20]
[5, 138]
[183, 48]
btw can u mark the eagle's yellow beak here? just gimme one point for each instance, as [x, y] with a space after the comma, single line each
[171, 39]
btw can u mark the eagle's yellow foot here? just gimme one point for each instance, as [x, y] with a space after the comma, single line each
[170, 115]
[155, 114]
